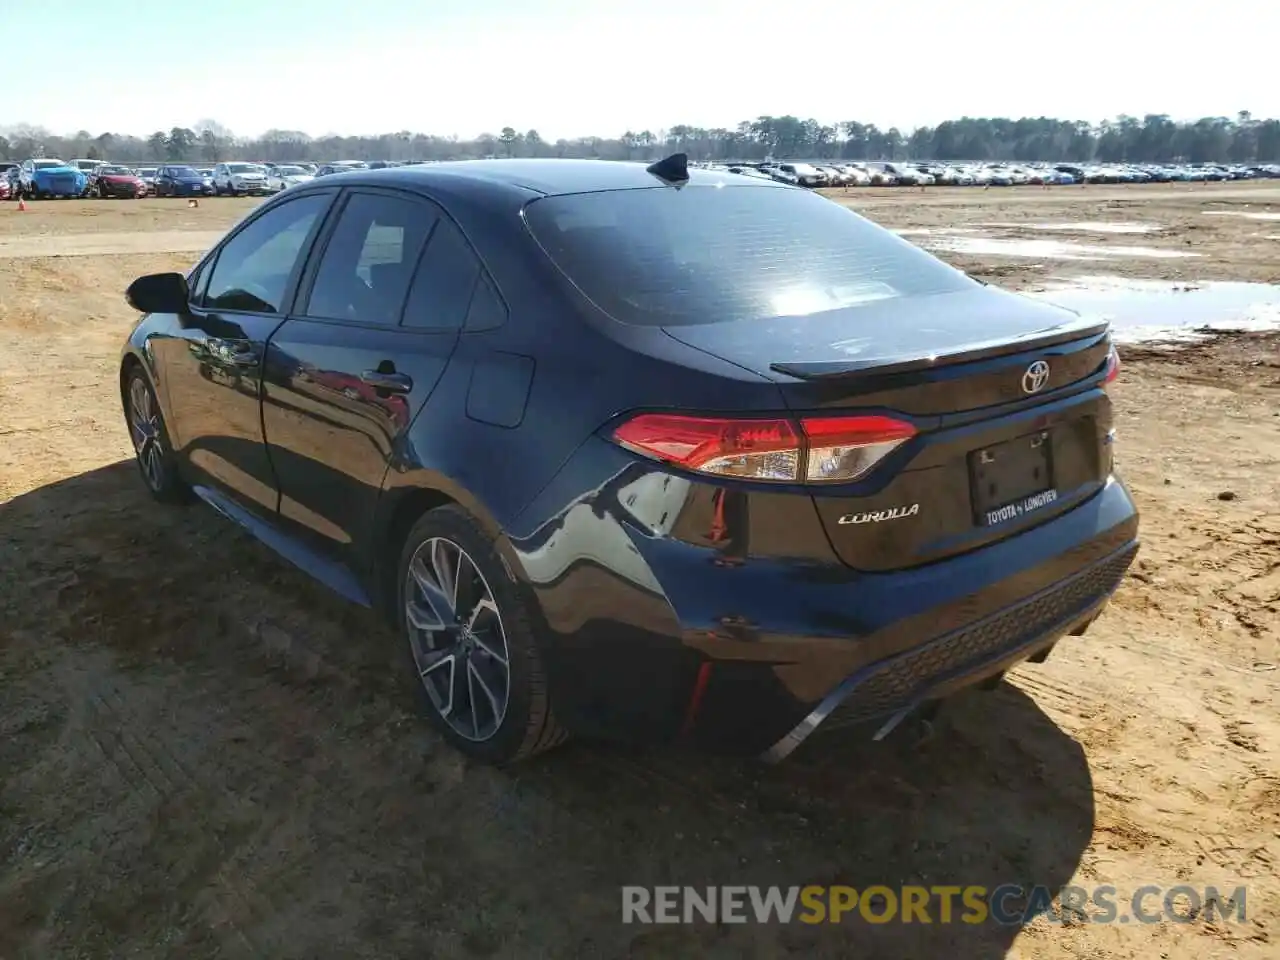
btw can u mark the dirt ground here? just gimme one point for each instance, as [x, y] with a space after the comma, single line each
[1218, 223]
[204, 754]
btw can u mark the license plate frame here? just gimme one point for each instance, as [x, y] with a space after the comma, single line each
[1012, 478]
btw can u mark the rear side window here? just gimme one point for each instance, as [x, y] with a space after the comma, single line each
[669, 257]
[369, 260]
[253, 269]
[441, 292]
[487, 310]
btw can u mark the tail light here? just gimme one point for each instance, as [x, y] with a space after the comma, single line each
[811, 450]
[1112, 368]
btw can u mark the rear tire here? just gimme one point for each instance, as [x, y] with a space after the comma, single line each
[456, 653]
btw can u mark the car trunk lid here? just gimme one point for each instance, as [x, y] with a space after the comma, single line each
[1011, 429]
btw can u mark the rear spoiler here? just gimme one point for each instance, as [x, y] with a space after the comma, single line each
[979, 350]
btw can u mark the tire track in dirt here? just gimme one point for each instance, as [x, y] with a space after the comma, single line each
[153, 740]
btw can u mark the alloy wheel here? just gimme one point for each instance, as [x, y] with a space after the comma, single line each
[144, 428]
[457, 638]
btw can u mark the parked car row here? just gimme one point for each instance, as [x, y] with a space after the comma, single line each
[41, 178]
[919, 174]
[49, 178]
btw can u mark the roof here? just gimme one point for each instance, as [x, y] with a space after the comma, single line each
[548, 177]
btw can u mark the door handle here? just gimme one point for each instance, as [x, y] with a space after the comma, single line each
[393, 382]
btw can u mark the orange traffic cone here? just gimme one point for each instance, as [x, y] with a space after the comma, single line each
[22, 204]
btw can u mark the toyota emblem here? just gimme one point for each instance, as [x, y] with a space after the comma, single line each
[1036, 377]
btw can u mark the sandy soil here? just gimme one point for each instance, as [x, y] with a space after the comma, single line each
[204, 754]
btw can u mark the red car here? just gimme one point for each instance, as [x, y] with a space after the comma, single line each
[357, 391]
[111, 180]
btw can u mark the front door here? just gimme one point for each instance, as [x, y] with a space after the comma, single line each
[346, 376]
[213, 369]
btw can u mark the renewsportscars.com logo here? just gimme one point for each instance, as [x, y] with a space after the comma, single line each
[1009, 904]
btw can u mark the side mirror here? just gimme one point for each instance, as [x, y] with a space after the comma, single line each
[159, 293]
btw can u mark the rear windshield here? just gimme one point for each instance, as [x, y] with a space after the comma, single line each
[705, 254]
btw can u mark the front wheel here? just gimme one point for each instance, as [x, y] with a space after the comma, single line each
[152, 450]
[470, 636]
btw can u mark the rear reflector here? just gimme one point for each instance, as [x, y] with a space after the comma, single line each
[1112, 369]
[814, 450]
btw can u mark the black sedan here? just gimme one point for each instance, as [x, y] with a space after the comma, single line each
[648, 453]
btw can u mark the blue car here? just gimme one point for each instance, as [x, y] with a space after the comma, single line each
[52, 178]
[182, 181]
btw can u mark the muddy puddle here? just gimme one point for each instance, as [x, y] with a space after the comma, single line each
[1145, 311]
[1084, 226]
[982, 246]
[935, 231]
[1247, 214]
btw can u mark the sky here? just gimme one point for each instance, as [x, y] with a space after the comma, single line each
[569, 68]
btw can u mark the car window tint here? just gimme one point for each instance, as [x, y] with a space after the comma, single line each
[441, 292]
[487, 308]
[253, 268]
[369, 260]
[736, 253]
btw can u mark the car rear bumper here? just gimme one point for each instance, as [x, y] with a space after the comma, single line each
[894, 686]
[650, 635]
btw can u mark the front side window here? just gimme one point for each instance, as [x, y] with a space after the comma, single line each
[253, 268]
[369, 260]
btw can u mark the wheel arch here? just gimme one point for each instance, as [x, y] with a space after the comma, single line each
[136, 356]
[128, 364]
[402, 503]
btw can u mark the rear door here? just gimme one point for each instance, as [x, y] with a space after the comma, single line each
[375, 325]
[212, 370]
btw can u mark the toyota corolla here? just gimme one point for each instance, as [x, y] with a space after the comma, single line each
[646, 453]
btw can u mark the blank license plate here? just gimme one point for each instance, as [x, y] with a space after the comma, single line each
[1011, 479]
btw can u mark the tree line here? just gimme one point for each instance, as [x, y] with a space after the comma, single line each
[1153, 138]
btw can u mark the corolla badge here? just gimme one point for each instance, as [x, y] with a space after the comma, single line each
[876, 516]
[1036, 377]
